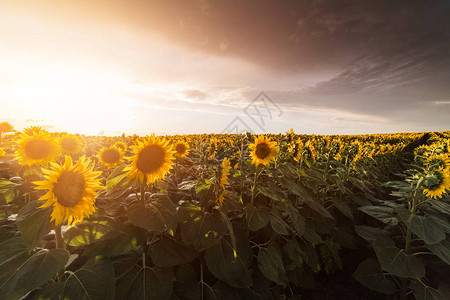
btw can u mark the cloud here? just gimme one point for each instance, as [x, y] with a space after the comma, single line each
[195, 94]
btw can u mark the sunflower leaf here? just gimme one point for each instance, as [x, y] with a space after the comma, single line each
[34, 223]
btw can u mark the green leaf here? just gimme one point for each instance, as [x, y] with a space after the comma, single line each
[186, 285]
[87, 233]
[198, 228]
[273, 192]
[117, 180]
[227, 222]
[34, 223]
[167, 252]
[34, 272]
[396, 261]
[223, 264]
[382, 213]
[370, 275]
[311, 235]
[311, 258]
[277, 223]
[368, 233]
[442, 250]
[53, 291]
[145, 283]
[270, 263]
[424, 227]
[158, 216]
[294, 254]
[424, 292]
[297, 221]
[303, 277]
[344, 208]
[95, 281]
[257, 217]
[319, 208]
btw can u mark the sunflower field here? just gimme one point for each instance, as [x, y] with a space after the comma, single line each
[231, 216]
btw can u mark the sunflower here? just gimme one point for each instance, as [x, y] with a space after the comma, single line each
[34, 129]
[2, 152]
[181, 149]
[38, 149]
[226, 166]
[71, 144]
[71, 190]
[121, 145]
[436, 182]
[110, 157]
[5, 127]
[263, 150]
[212, 149]
[440, 162]
[153, 158]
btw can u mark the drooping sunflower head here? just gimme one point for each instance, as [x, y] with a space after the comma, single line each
[225, 172]
[212, 149]
[181, 149]
[121, 145]
[226, 166]
[110, 157]
[36, 150]
[153, 159]
[438, 162]
[436, 182]
[263, 150]
[71, 144]
[71, 190]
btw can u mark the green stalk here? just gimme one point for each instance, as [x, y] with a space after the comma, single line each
[59, 245]
[254, 184]
[143, 190]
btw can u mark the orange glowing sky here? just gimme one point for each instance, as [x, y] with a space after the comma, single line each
[161, 66]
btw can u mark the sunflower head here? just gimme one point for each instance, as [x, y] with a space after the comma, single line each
[438, 162]
[36, 150]
[436, 182]
[153, 159]
[110, 157]
[5, 127]
[181, 149]
[225, 172]
[212, 149]
[71, 190]
[121, 146]
[263, 150]
[71, 144]
[34, 129]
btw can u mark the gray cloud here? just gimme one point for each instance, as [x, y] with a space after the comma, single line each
[195, 94]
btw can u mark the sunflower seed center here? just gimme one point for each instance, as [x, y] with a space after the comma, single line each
[150, 159]
[262, 150]
[69, 189]
[37, 149]
[110, 156]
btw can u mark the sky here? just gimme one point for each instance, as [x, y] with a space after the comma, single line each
[210, 66]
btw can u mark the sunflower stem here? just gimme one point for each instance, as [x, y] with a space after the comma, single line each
[59, 245]
[254, 183]
[143, 191]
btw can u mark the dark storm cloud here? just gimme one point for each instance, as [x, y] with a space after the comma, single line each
[297, 35]
[391, 58]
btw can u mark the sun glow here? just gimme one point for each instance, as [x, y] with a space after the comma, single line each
[74, 98]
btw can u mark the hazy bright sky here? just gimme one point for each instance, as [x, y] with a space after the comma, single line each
[144, 66]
